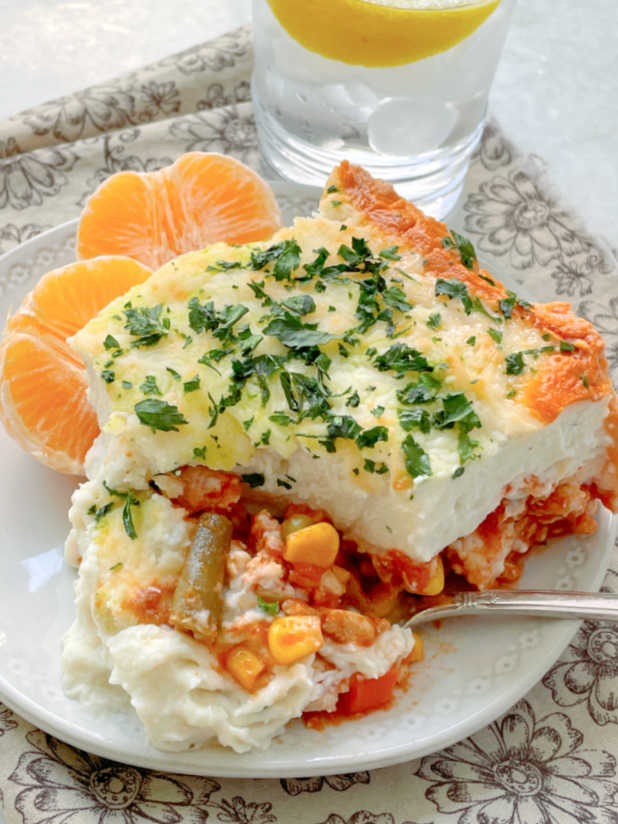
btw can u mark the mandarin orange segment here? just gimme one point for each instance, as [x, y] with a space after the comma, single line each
[43, 402]
[67, 298]
[155, 216]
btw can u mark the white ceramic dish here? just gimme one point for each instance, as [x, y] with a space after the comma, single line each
[474, 669]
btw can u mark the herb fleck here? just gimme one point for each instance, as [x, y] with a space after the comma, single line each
[159, 415]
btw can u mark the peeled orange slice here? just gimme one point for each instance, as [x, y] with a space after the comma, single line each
[43, 402]
[380, 32]
[155, 216]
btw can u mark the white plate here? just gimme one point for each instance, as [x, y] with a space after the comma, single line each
[474, 670]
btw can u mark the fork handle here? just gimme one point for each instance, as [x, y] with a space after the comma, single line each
[546, 603]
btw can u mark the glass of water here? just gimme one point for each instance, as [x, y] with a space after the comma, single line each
[397, 86]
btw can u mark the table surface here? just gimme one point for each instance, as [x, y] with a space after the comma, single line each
[556, 91]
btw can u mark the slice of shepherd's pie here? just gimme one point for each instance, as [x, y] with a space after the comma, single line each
[299, 438]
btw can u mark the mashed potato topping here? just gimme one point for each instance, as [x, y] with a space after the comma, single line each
[302, 441]
[120, 644]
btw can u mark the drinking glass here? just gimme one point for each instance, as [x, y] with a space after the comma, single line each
[397, 86]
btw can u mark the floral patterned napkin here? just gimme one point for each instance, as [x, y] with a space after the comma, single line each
[552, 757]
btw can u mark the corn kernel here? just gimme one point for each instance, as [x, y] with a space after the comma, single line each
[317, 544]
[435, 585]
[294, 523]
[244, 666]
[418, 651]
[293, 637]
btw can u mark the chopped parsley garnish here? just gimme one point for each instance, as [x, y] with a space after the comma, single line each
[370, 437]
[514, 363]
[269, 607]
[353, 400]
[224, 265]
[110, 342]
[286, 257]
[261, 367]
[280, 418]
[304, 395]
[395, 297]
[108, 376]
[149, 387]
[102, 511]
[390, 253]
[463, 246]
[127, 516]
[372, 466]
[116, 567]
[114, 492]
[495, 335]
[285, 484]
[159, 415]
[258, 291]
[202, 317]
[402, 358]
[424, 390]
[129, 501]
[173, 373]
[343, 426]
[146, 324]
[287, 260]
[377, 411]
[358, 255]
[508, 303]
[456, 408]
[295, 334]
[585, 381]
[415, 458]
[192, 385]
[300, 304]
[458, 472]
[465, 445]
[199, 452]
[226, 319]
[331, 190]
[565, 346]
[471, 340]
[415, 419]
[434, 320]
[454, 288]
[253, 479]
[127, 385]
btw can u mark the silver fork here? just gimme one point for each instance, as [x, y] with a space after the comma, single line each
[546, 603]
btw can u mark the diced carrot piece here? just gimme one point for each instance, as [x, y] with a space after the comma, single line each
[366, 694]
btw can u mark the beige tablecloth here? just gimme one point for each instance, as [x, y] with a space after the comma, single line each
[550, 758]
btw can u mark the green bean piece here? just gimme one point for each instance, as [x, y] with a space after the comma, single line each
[198, 600]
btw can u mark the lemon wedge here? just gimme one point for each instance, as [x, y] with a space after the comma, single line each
[368, 33]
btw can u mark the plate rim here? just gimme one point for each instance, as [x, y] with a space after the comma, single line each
[324, 764]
